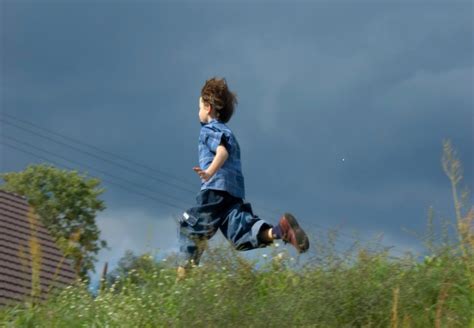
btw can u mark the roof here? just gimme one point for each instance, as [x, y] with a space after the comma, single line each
[16, 232]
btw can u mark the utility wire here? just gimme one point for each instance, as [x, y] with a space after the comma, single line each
[98, 157]
[166, 202]
[98, 149]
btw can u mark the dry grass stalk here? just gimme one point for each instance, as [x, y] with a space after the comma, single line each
[443, 295]
[394, 319]
[452, 168]
[73, 240]
[36, 256]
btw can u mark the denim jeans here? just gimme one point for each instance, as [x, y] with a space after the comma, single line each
[215, 210]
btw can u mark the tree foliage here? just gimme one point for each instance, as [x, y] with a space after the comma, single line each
[66, 203]
[133, 269]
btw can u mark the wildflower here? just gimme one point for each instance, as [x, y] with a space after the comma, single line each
[264, 255]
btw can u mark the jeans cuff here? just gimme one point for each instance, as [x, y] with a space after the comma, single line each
[256, 228]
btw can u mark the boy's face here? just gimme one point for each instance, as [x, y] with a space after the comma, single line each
[204, 111]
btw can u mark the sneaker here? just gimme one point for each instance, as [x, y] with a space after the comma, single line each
[292, 233]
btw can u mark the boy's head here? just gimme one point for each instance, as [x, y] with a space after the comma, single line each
[216, 94]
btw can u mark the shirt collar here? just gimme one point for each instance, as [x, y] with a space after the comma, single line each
[210, 122]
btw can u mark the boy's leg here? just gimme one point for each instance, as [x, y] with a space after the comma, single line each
[198, 224]
[246, 231]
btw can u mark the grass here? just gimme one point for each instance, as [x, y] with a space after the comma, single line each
[367, 290]
[362, 287]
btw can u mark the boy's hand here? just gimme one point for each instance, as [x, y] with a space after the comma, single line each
[203, 174]
[217, 162]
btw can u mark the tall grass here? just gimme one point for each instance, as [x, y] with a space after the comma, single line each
[362, 287]
[371, 290]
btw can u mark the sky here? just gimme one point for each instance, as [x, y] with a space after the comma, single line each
[343, 108]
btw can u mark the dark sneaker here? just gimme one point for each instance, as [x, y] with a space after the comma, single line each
[292, 233]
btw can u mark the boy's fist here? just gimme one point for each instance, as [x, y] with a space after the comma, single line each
[202, 173]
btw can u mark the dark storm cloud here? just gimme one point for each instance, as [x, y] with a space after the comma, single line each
[342, 106]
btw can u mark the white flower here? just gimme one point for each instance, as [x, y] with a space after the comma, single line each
[264, 255]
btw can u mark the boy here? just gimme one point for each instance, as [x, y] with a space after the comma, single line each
[220, 202]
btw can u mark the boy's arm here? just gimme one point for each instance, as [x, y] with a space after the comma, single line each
[217, 162]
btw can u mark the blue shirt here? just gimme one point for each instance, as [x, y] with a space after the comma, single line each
[229, 177]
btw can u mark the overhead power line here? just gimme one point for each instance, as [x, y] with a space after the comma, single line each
[135, 185]
[101, 150]
[100, 157]
[164, 202]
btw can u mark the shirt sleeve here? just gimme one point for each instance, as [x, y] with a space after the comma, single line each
[214, 138]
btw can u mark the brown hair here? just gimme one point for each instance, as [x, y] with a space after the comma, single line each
[216, 93]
